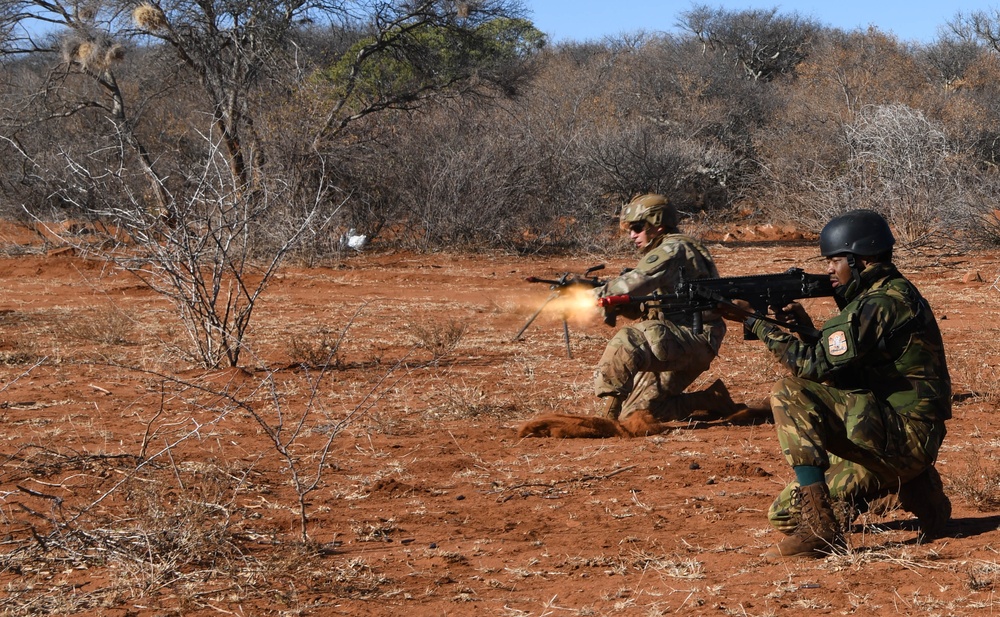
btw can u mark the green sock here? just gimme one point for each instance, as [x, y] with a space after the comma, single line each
[808, 474]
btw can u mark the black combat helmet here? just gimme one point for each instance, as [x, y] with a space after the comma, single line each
[859, 232]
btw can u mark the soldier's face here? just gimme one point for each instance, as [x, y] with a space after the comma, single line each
[641, 234]
[839, 270]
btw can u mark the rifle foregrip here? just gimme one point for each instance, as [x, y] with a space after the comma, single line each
[608, 301]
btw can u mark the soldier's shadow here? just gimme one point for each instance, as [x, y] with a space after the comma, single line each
[748, 416]
[956, 528]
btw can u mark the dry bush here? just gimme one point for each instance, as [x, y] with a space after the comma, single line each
[976, 377]
[181, 538]
[763, 43]
[319, 348]
[462, 401]
[164, 538]
[977, 217]
[110, 326]
[639, 158]
[439, 338]
[805, 149]
[979, 483]
[900, 164]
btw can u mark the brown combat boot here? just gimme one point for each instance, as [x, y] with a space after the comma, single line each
[818, 532]
[924, 497]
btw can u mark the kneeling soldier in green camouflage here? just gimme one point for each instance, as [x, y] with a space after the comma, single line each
[647, 365]
[864, 414]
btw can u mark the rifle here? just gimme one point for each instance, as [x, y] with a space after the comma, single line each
[762, 291]
[559, 287]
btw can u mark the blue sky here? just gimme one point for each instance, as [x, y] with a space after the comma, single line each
[582, 20]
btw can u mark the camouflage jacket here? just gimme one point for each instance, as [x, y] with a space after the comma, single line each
[665, 262]
[885, 340]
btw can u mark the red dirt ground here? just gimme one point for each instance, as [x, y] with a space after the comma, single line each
[135, 484]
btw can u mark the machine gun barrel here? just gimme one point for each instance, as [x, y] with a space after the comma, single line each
[560, 286]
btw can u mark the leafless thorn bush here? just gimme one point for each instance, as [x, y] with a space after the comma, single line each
[439, 338]
[286, 428]
[185, 525]
[900, 164]
[206, 255]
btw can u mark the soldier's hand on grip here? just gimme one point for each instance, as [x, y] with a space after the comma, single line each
[735, 310]
[794, 314]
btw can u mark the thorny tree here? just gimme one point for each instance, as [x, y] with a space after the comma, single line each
[207, 219]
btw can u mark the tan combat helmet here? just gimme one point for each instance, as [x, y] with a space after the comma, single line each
[655, 210]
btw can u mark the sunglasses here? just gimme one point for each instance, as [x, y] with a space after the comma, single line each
[637, 227]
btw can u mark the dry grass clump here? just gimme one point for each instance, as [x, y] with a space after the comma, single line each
[455, 399]
[979, 484]
[974, 376]
[25, 352]
[106, 327]
[438, 338]
[318, 348]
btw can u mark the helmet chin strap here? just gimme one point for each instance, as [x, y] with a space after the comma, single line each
[855, 271]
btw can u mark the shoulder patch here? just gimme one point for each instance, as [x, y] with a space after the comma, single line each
[837, 343]
[652, 259]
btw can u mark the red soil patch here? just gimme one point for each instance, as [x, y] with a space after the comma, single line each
[136, 484]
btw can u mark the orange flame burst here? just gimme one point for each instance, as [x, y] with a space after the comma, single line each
[577, 304]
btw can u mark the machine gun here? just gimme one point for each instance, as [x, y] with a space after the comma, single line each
[559, 287]
[762, 291]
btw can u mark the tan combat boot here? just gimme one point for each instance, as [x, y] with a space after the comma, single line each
[924, 497]
[614, 408]
[818, 532]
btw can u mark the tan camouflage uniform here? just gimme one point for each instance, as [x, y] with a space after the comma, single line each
[648, 363]
[868, 400]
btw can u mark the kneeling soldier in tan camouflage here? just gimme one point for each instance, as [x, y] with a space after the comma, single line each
[647, 365]
[864, 414]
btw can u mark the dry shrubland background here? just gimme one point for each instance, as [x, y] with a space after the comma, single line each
[440, 123]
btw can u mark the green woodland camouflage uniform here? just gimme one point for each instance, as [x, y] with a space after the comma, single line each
[880, 420]
[647, 364]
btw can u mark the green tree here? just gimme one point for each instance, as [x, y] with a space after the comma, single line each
[417, 59]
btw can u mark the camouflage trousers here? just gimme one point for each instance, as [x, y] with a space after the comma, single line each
[866, 449]
[647, 363]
